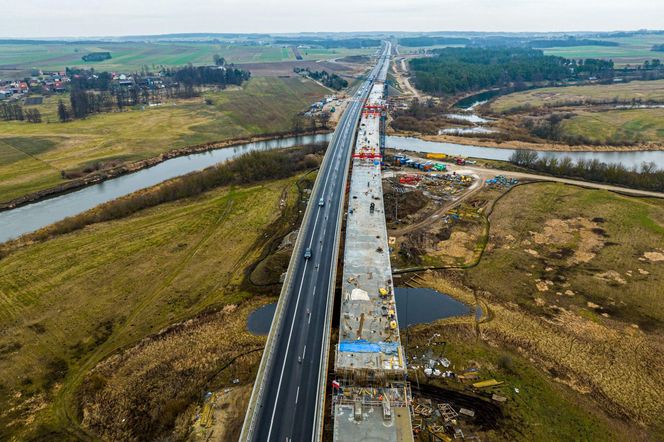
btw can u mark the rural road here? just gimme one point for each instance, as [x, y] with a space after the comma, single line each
[488, 172]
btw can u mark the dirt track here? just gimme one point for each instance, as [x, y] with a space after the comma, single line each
[482, 171]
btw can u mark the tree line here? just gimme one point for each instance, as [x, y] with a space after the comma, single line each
[94, 93]
[84, 102]
[350, 43]
[647, 177]
[455, 70]
[424, 117]
[200, 75]
[333, 81]
[504, 41]
[15, 112]
[569, 42]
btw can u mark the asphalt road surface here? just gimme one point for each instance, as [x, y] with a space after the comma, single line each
[288, 407]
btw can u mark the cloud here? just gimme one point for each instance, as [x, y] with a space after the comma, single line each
[40, 18]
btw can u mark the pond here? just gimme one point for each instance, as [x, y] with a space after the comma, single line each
[471, 118]
[260, 320]
[414, 306]
[28, 218]
[423, 305]
[466, 131]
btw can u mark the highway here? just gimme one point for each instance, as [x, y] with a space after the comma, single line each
[285, 402]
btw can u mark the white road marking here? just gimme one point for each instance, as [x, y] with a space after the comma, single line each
[283, 366]
[304, 352]
[297, 394]
[344, 139]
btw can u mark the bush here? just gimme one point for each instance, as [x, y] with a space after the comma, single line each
[505, 363]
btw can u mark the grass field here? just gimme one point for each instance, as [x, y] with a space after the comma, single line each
[562, 96]
[33, 155]
[570, 284]
[536, 410]
[631, 50]
[130, 57]
[69, 302]
[585, 270]
[618, 126]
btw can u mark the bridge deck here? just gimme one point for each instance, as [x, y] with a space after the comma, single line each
[372, 403]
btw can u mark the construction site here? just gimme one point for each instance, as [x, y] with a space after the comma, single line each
[371, 397]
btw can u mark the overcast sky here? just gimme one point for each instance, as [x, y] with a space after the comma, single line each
[46, 18]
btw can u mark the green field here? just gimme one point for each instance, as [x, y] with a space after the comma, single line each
[69, 302]
[18, 60]
[618, 126]
[32, 156]
[562, 96]
[631, 50]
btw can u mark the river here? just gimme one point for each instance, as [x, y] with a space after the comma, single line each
[626, 158]
[30, 217]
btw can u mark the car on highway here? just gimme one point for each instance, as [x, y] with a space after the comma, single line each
[307, 253]
[321, 202]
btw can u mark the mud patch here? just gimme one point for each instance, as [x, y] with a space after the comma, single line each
[655, 256]
[611, 276]
[580, 236]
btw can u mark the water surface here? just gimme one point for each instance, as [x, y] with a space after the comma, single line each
[628, 159]
[260, 320]
[28, 218]
[423, 305]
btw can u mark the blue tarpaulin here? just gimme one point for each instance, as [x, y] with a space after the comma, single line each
[364, 346]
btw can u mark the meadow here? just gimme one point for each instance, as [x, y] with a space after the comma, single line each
[640, 126]
[551, 97]
[631, 50]
[17, 60]
[71, 301]
[33, 156]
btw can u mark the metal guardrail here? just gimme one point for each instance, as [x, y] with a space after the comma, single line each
[268, 353]
[318, 419]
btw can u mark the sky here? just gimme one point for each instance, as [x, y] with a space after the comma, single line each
[78, 18]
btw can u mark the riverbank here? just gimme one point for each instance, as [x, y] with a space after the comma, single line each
[127, 168]
[515, 144]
